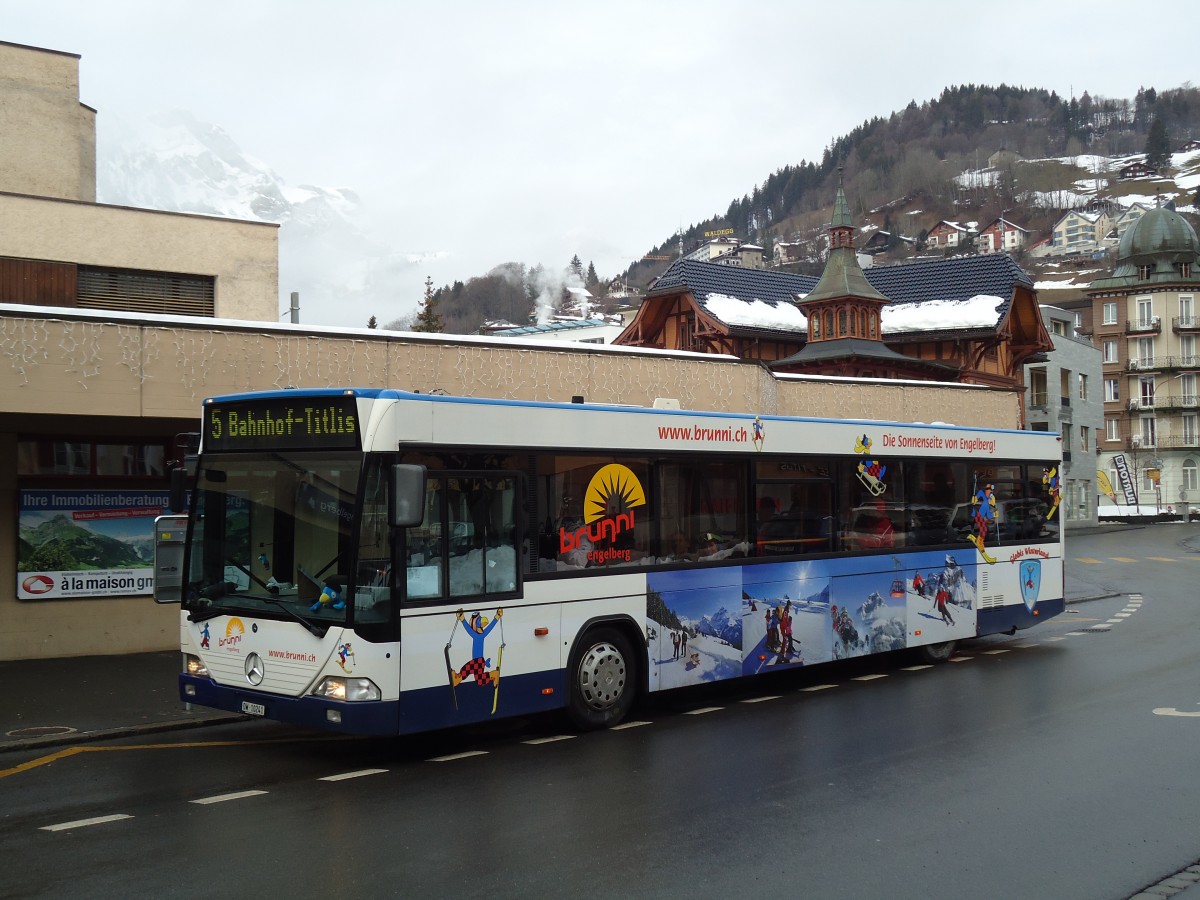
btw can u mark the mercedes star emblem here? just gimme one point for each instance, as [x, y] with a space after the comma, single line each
[254, 669]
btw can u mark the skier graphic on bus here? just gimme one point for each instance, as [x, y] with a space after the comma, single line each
[479, 666]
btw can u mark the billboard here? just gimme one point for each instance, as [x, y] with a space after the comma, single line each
[86, 543]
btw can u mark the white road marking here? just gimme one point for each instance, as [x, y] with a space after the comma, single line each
[960, 658]
[625, 725]
[819, 687]
[995, 652]
[917, 668]
[1056, 638]
[869, 677]
[456, 756]
[761, 699]
[83, 823]
[703, 710]
[221, 798]
[359, 774]
[550, 740]
[1172, 711]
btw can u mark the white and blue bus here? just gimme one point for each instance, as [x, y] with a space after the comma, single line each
[383, 562]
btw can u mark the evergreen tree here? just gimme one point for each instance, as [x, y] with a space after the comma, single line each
[577, 266]
[428, 319]
[591, 280]
[1158, 144]
[372, 323]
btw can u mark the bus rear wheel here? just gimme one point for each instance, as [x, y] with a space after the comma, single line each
[938, 653]
[603, 679]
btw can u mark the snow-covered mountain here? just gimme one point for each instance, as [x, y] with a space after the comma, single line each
[178, 163]
[722, 626]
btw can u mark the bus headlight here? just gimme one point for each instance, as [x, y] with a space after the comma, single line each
[192, 665]
[335, 687]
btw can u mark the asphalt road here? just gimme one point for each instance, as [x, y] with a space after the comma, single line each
[1053, 764]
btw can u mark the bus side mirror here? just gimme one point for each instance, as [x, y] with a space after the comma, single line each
[177, 498]
[407, 496]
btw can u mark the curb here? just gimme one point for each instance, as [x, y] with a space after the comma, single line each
[104, 734]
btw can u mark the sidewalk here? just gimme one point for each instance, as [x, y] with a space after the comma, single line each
[52, 702]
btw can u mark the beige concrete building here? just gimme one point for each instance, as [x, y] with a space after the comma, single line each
[116, 323]
[49, 136]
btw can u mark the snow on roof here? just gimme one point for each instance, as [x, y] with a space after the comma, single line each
[733, 311]
[940, 315]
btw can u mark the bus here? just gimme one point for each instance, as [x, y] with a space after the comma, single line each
[384, 562]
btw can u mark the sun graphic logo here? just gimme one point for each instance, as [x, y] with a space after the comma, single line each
[234, 632]
[612, 490]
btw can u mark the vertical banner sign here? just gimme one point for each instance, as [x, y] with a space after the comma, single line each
[86, 543]
[1127, 486]
[1105, 486]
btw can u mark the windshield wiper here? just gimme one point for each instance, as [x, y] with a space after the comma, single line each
[315, 628]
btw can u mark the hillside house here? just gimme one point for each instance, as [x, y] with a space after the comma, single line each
[1125, 220]
[1002, 236]
[1080, 230]
[788, 252]
[947, 234]
[1137, 170]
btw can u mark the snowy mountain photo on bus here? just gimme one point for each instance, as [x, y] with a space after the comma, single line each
[693, 614]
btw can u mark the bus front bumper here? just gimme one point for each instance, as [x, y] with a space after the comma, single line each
[373, 717]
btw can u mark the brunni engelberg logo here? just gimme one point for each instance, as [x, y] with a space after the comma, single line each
[609, 506]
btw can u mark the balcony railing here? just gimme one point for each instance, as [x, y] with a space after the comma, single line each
[1162, 363]
[1142, 403]
[1177, 401]
[1181, 441]
[1143, 326]
[1185, 323]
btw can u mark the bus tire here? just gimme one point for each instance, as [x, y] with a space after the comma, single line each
[603, 677]
[937, 653]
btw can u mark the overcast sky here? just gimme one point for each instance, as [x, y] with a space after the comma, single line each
[482, 132]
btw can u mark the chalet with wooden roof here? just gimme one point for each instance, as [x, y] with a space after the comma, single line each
[842, 314]
[971, 319]
[948, 234]
[1002, 236]
[1137, 170]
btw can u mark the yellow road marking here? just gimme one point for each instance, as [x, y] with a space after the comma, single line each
[75, 751]
[1162, 559]
[1124, 559]
[1089, 560]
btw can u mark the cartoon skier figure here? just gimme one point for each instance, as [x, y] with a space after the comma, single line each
[477, 667]
[1053, 488]
[344, 652]
[204, 637]
[984, 502]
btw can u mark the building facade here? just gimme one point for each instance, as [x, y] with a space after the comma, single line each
[1064, 396]
[1146, 325]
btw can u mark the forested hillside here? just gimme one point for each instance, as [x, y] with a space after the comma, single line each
[903, 173]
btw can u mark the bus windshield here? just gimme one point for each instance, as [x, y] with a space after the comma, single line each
[273, 535]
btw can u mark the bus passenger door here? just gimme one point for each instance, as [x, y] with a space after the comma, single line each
[464, 631]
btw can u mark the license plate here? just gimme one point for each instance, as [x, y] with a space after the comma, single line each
[253, 709]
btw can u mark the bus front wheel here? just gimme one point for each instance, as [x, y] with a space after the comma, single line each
[603, 679]
[938, 653]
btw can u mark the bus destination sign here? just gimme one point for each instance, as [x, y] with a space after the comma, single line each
[279, 423]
